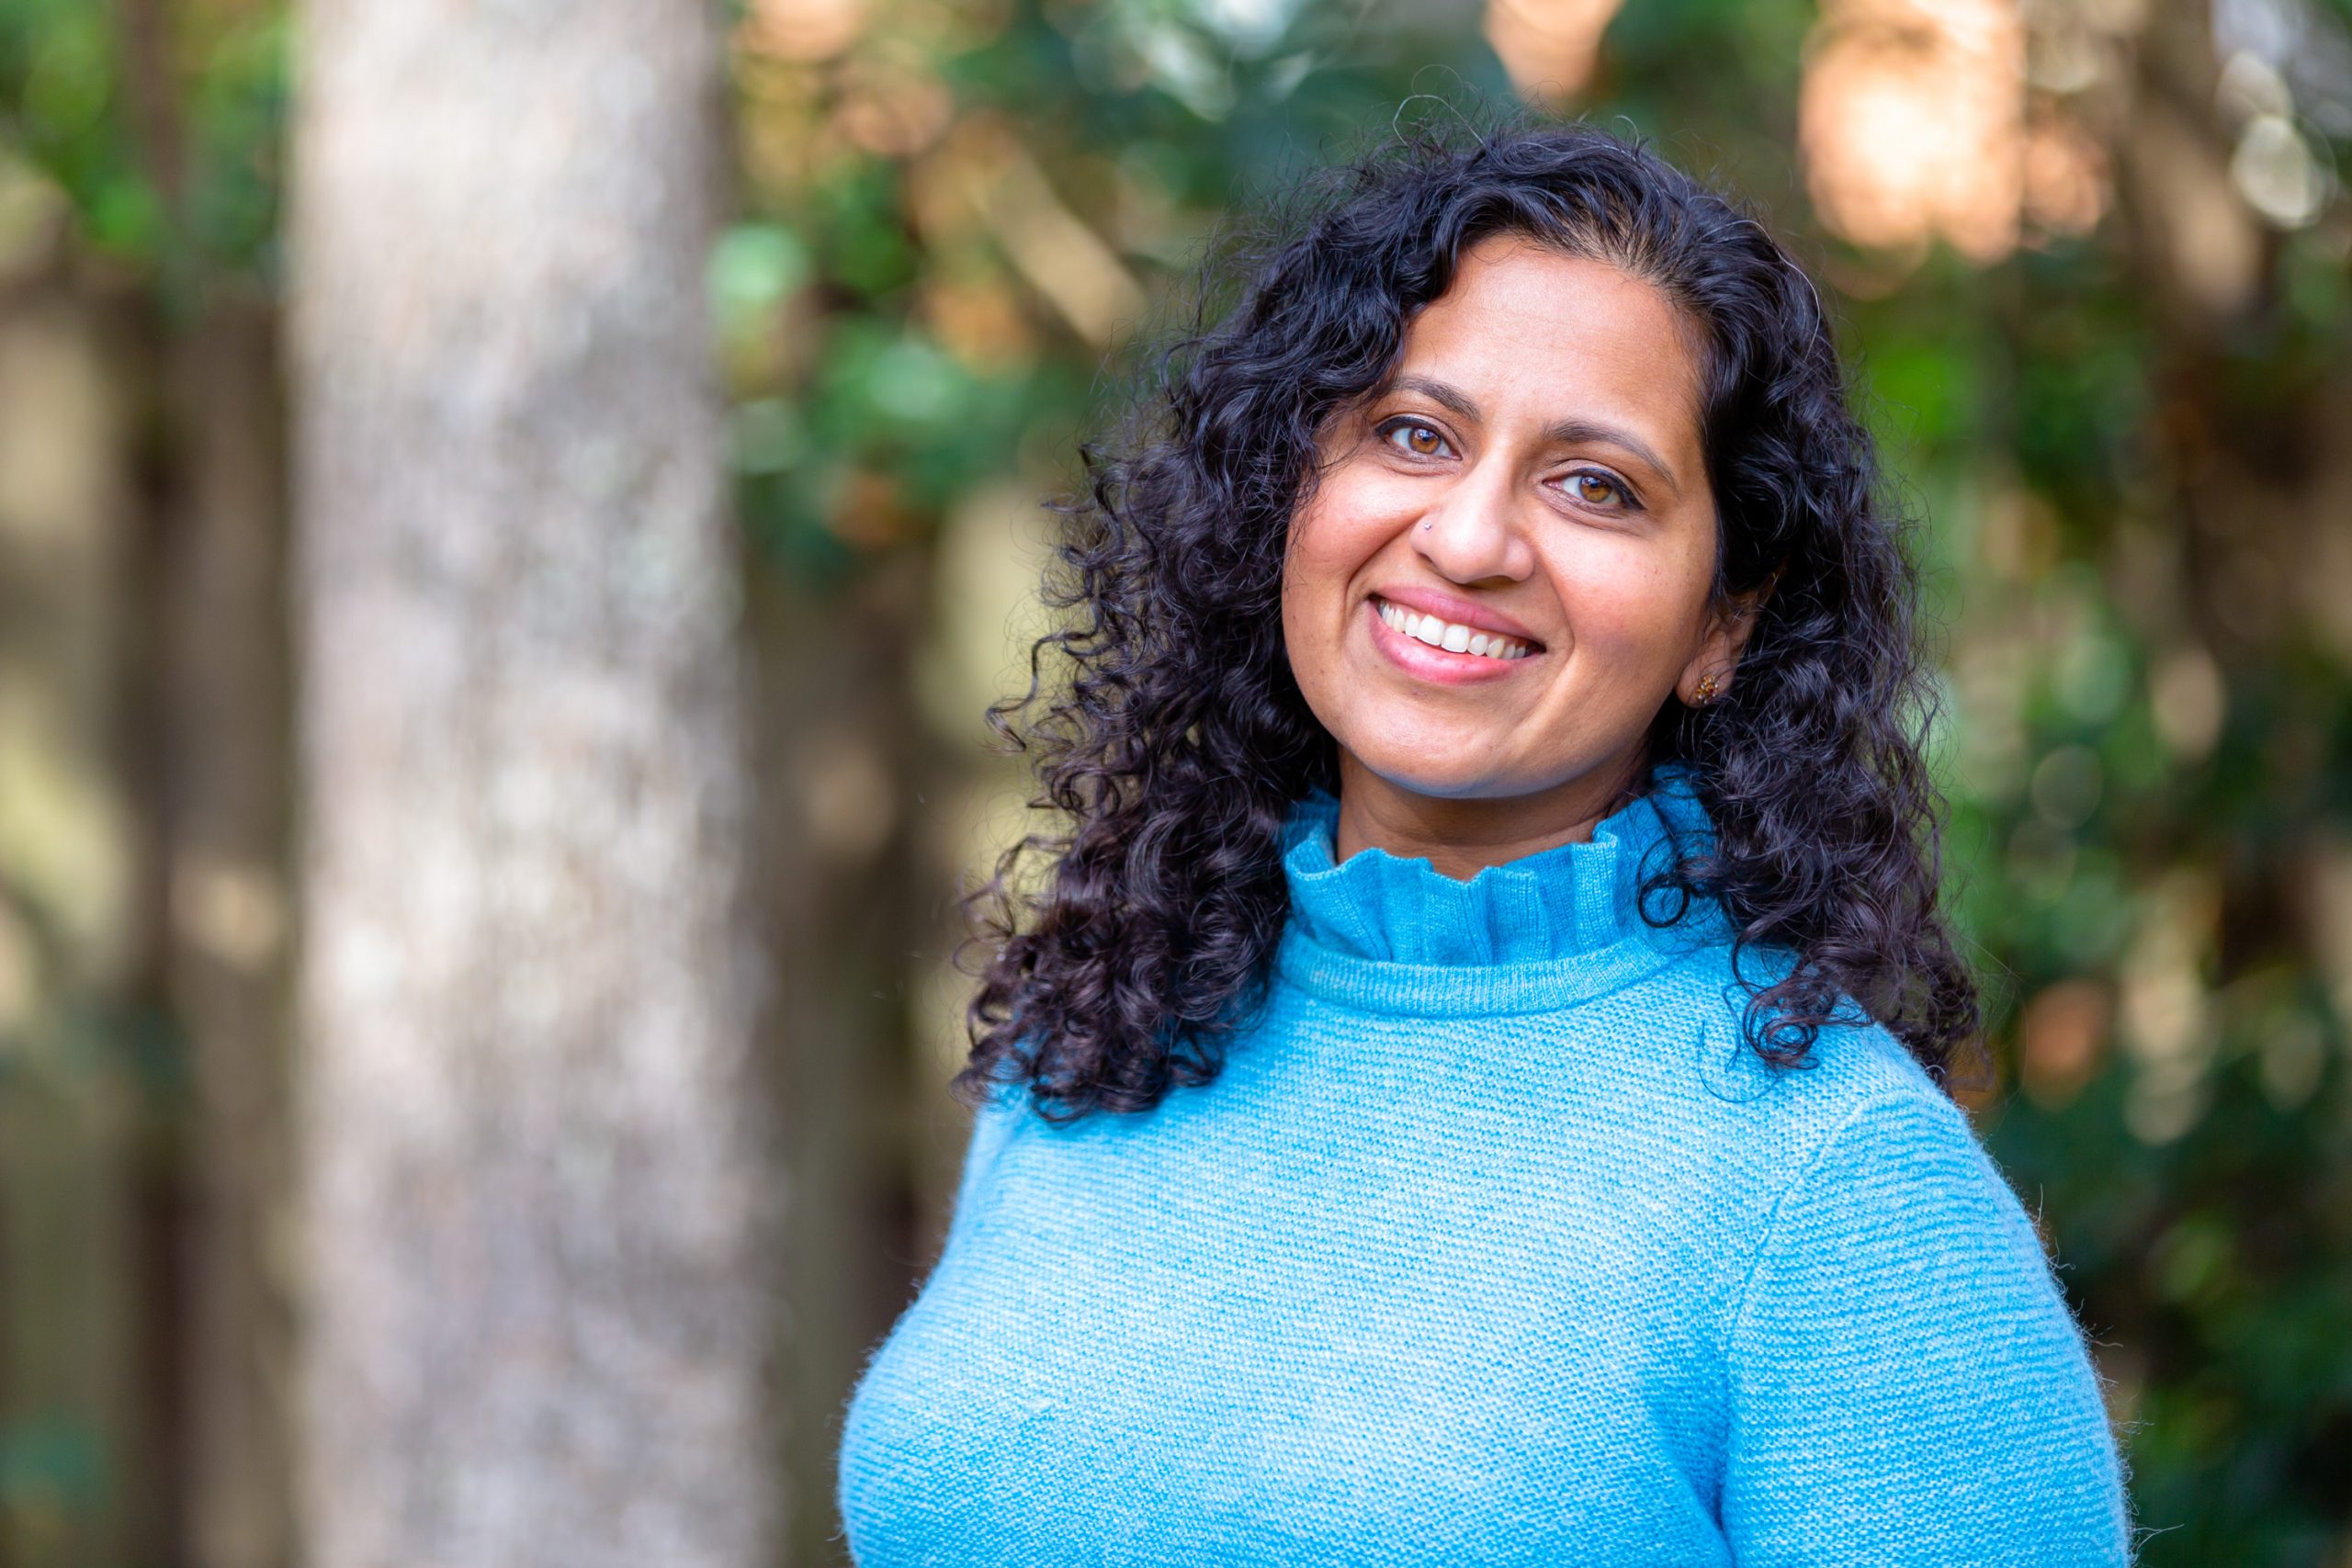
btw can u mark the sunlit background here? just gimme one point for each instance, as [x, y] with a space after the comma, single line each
[2090, 262]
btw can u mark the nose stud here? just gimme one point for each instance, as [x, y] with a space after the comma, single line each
[1428, 524]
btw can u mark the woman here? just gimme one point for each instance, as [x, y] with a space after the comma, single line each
[1472, 1086]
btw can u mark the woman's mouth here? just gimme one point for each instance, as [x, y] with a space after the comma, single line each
[1451, 636]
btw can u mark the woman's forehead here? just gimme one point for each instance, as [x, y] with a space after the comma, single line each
[1527, 331]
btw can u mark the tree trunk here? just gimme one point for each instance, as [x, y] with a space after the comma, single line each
[836, 730]
[221, 689]
[537, 1131]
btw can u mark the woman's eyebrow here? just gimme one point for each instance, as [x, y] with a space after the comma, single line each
[1562, 432]
[1439, 393]
[1582, 432]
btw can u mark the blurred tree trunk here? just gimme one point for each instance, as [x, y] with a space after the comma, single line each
[220, 686]
[215, 776]
[836, 729]
[537, 1134]
[2252, 421]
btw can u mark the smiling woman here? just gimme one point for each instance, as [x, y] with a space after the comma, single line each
[1518, 480]
[1494, 657]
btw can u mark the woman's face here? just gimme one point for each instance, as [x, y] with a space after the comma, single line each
[1503, 573]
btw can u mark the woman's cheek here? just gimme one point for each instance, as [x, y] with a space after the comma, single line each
[1339, 526]
[1618, 605]
[1313, 585]
[1327, 548]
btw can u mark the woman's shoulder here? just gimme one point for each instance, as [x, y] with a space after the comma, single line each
[1860, 1134]
[1704, 1019]
[1858, 1109]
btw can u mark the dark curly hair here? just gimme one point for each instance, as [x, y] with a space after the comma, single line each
[1174, 740]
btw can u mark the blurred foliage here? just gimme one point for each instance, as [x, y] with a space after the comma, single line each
[954, 212]
[959, 224]
[160, 123]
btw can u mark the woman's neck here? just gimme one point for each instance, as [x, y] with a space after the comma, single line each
[1461, 836]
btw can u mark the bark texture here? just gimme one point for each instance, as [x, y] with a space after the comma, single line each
[537, 1131]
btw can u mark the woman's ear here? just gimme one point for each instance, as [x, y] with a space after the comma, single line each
[1709, 674]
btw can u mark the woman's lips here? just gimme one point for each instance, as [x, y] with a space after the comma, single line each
[1455, 610]
[1438, 663]
[1454, 637]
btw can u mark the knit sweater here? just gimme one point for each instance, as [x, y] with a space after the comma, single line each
[1492, 1244]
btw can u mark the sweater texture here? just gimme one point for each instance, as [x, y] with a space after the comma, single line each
[1492, 1244]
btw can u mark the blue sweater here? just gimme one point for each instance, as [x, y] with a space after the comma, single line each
[1492, 1244]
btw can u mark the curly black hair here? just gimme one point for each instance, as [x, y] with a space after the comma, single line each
[1173, 739]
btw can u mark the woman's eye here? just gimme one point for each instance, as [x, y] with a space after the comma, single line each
[1597, 489]
[1420, 440]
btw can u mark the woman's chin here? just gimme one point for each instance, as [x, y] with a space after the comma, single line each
[1410, 773]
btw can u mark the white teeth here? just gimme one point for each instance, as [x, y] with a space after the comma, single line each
[1450, 635]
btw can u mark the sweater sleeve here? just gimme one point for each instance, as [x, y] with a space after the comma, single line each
[1906, 1384]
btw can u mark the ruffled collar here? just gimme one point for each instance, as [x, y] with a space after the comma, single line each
[1534, 933]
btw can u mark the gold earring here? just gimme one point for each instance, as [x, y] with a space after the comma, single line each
[1706, 688]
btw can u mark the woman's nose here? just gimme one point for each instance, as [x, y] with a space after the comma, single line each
[1471, 532]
